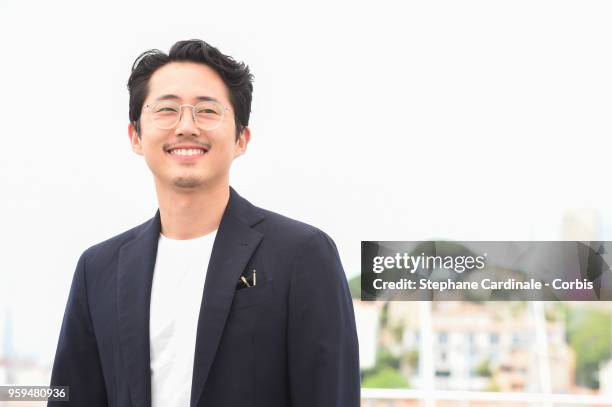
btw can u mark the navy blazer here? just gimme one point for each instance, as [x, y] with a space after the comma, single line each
[289, 341]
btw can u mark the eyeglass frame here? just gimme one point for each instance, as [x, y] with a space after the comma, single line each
[180, 116]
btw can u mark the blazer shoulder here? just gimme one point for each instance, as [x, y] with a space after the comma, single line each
[289, 229]
[110, 247]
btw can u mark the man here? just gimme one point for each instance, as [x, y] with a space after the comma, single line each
[213, 302]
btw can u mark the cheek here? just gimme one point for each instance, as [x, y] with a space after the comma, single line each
[230, 152]
[224, 147]
[153, 153]
[151, 143]
[148, 151]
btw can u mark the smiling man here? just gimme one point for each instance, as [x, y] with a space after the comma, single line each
[212, 302]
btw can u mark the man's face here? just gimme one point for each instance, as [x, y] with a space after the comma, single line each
[188, 81]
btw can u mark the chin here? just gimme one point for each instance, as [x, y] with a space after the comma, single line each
[188, 182]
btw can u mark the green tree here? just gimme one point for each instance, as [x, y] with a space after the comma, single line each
[386, 362]
[384, 315]
[589, 334]
[411, 358]
[493, 386]
[385, 359]
[386, 378]
[483, 369]
[355, 287]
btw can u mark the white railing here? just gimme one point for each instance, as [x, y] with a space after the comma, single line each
[451, 395]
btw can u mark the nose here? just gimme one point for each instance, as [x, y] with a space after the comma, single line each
[187, 124]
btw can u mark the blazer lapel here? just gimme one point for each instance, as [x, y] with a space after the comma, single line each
[234, 245]
[135, 275]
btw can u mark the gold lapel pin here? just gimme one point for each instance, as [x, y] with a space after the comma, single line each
[244, 280]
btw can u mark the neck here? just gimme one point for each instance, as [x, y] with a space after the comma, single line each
[191, 214]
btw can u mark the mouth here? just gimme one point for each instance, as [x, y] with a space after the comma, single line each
[187, 153]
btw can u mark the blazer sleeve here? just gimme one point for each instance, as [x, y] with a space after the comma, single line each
[323, 350]
[77, 363]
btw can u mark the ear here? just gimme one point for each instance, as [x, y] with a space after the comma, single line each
[242, 142]
[134, 139]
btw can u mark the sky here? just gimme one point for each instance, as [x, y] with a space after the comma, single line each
[464, 120]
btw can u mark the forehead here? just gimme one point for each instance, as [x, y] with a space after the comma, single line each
[188, 80]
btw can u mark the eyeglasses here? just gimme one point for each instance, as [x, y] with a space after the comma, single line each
[207, 115]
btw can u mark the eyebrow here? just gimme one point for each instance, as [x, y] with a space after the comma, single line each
[199, 98]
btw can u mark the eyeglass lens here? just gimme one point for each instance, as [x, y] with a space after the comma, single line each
[166, 114]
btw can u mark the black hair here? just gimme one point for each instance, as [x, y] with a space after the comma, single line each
[235, 75]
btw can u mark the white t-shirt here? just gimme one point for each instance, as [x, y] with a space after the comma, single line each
[176, 296]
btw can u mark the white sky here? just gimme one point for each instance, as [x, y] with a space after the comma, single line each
[481, 120]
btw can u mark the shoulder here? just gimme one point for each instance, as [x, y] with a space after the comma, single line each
[311, 254]
[110, 247]
[292, 232]
[273, 225]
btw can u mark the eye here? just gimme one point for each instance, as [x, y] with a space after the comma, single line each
[166, 109]
[207, 111]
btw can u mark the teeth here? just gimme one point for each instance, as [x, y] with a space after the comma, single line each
[185, 151]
